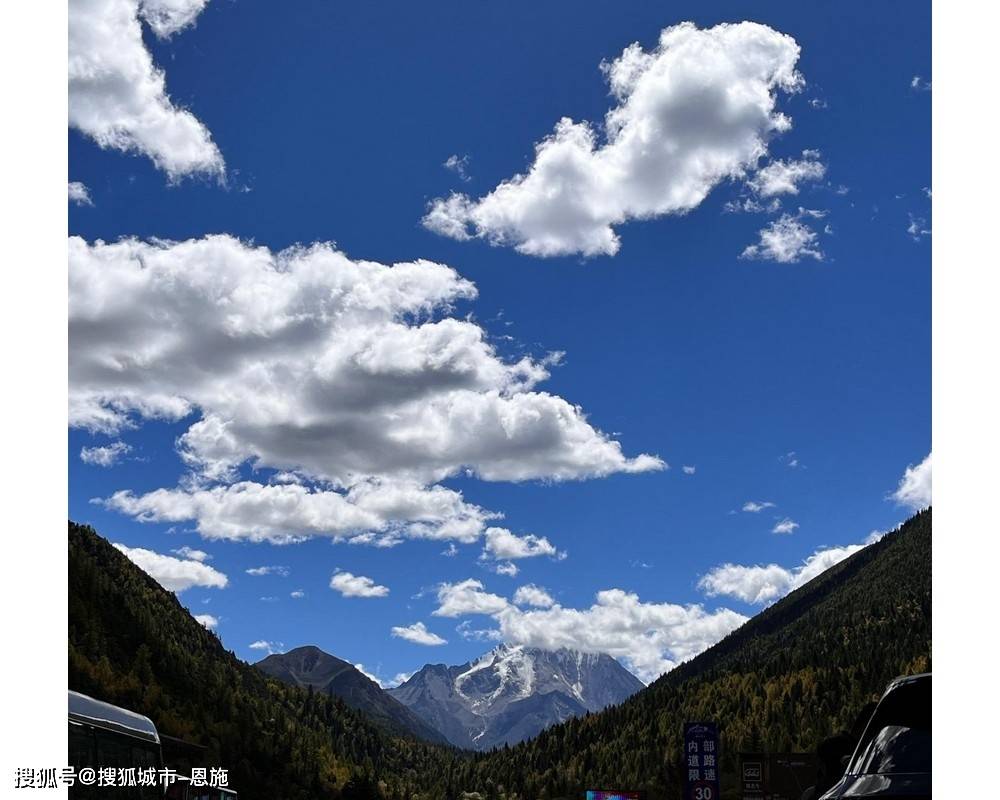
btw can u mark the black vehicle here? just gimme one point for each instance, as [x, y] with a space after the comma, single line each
[893, 757]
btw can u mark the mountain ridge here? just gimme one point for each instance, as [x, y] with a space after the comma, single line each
[512, 692]
[310, 667]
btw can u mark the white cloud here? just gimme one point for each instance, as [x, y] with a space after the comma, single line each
[917, 228]
[298, 594]
[786, 240]
[467, 632]
[118, 97]
[531, 595]
[281, 513]
[650, 637]
[697, 109]
[174, 574]
[349, 373]
[751, 205]
[786, 525]
[790, 459]
[371, 676]
[191, 553]
[418, 634]
[167, 17]
[106, 456]
[502, 544]
[754, 507]
[398, 679]
[207, 620]
[270, 647]
[79, 194]
[914, 490]
[762, 584]
[689, 470]
[459, 165]
[357, 585]
[269, 570]
[467, 597]
[784, 177]
[918, 84]
[508, 568]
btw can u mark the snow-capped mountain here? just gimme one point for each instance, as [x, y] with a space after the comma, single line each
[513, 692]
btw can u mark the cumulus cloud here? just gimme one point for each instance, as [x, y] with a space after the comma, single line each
[174, 574]
[118, 96]
[357, 585]
[787, 240]
[786, 525]
[418, 634]
[298, 594]
[695, 110]
[269, 647]
[508, 568]
[366, 514]
[502, 544]
[753, 507]
[914, 489]
[784, 177]
[467, 597]
[106, 455]
[349, 373]
[207, 620]
[191, 553]
[650, 638]
[79, 194]
[762, 584]
[689, 470]
[531, 595]
[269, 570]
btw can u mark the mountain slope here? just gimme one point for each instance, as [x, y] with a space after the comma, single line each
[133, 644]
[792, 676]
[512, 693]
[311, 667]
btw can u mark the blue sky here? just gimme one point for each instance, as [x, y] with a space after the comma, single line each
[805, 384]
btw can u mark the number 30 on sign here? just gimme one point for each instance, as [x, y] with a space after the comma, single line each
[703, 791]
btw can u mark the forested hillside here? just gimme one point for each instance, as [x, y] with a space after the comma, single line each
[792, 676]
[133, 644]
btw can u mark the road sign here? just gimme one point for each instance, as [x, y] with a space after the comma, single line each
[776, 776]
[752, 776]
[701, 761]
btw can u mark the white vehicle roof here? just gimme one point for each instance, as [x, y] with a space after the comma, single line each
[89, 711]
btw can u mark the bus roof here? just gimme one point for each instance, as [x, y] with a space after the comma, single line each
[89, 711]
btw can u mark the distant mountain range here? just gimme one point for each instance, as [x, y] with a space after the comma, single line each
[311, 667]
[506, 696]
[512, 693]
[795, 674]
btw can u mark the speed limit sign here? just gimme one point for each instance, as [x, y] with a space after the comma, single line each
[703, 790]
[701, 763]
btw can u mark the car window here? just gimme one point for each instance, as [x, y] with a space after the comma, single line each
[896, 748]
[898, 736]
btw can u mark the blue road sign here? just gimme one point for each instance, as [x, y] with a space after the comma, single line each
[701, 761]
